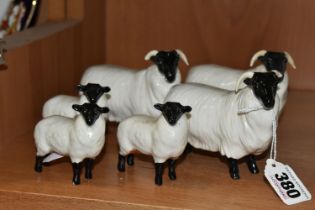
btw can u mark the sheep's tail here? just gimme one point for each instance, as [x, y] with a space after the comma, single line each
[51, 157]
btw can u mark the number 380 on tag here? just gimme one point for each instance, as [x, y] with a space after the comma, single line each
[286, 183]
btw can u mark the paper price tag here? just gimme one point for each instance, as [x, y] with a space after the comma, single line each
[286, 183]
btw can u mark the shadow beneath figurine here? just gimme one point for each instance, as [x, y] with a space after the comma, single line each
[144, 158]
[3, 67]
[227, 161]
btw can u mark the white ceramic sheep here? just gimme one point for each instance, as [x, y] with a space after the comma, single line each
[164, 138]
[135, 92]
[81, 138]
[61, 104]
[226, 78]
[217, 125]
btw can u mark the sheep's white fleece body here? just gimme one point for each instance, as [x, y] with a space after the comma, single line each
[132, 92]
[226, 78]
[62, 105]
[215, 124]
[153, 137]
[67, 136]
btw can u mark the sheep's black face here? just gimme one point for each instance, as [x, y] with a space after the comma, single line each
[172, 111]
[90, 112]
[167, 62]
[274, 61]
[93, 91]
[264, 86]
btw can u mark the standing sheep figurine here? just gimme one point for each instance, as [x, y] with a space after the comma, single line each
[164, 137]
[61, 104]
[226, 78]
[81, 138]
[218, 123]
[134, 92]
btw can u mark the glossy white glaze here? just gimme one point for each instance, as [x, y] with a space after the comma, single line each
[153, 136]
[225, 78]
[62, 105]
[132, 92]
[215, 124]
[68, 136]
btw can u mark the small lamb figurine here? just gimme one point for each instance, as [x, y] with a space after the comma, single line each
[61, 104]
[134, 92]
[81, 138]
[164, 137]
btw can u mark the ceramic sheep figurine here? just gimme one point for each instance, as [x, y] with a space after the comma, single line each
[61, 104]
[226, 78]
[217, 125]
[81, 138]
[164, 137]
[134, 92]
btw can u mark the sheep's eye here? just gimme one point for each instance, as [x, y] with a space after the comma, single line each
[159, 61]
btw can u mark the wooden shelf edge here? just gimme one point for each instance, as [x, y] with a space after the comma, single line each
[37, 33]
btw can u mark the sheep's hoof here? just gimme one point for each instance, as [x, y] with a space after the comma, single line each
[88, 175]
[172, 176]
[76, 180]
[38, 168]
[38, 164]
[235, 176]
[121, 163]
[158, 181]
[130, 160]
[253, 169]
[234, 173]
[121, 167]
[252, 166]
[234, 169]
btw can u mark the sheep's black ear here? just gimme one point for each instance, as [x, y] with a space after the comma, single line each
[77, 107]
[262, 58]
[248, 81]
[158, 106]
[80, 87]
[104, 109]
[153, 59]
[105, 89]
[187, 109]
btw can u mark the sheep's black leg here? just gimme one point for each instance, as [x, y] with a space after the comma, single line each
[88, 168]
[234, 169]
[158, 173]
[39, 164]
[251, 163]
[188, 148]
[171, 169]
[121, 163]
[130, 160]
[76, 173]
